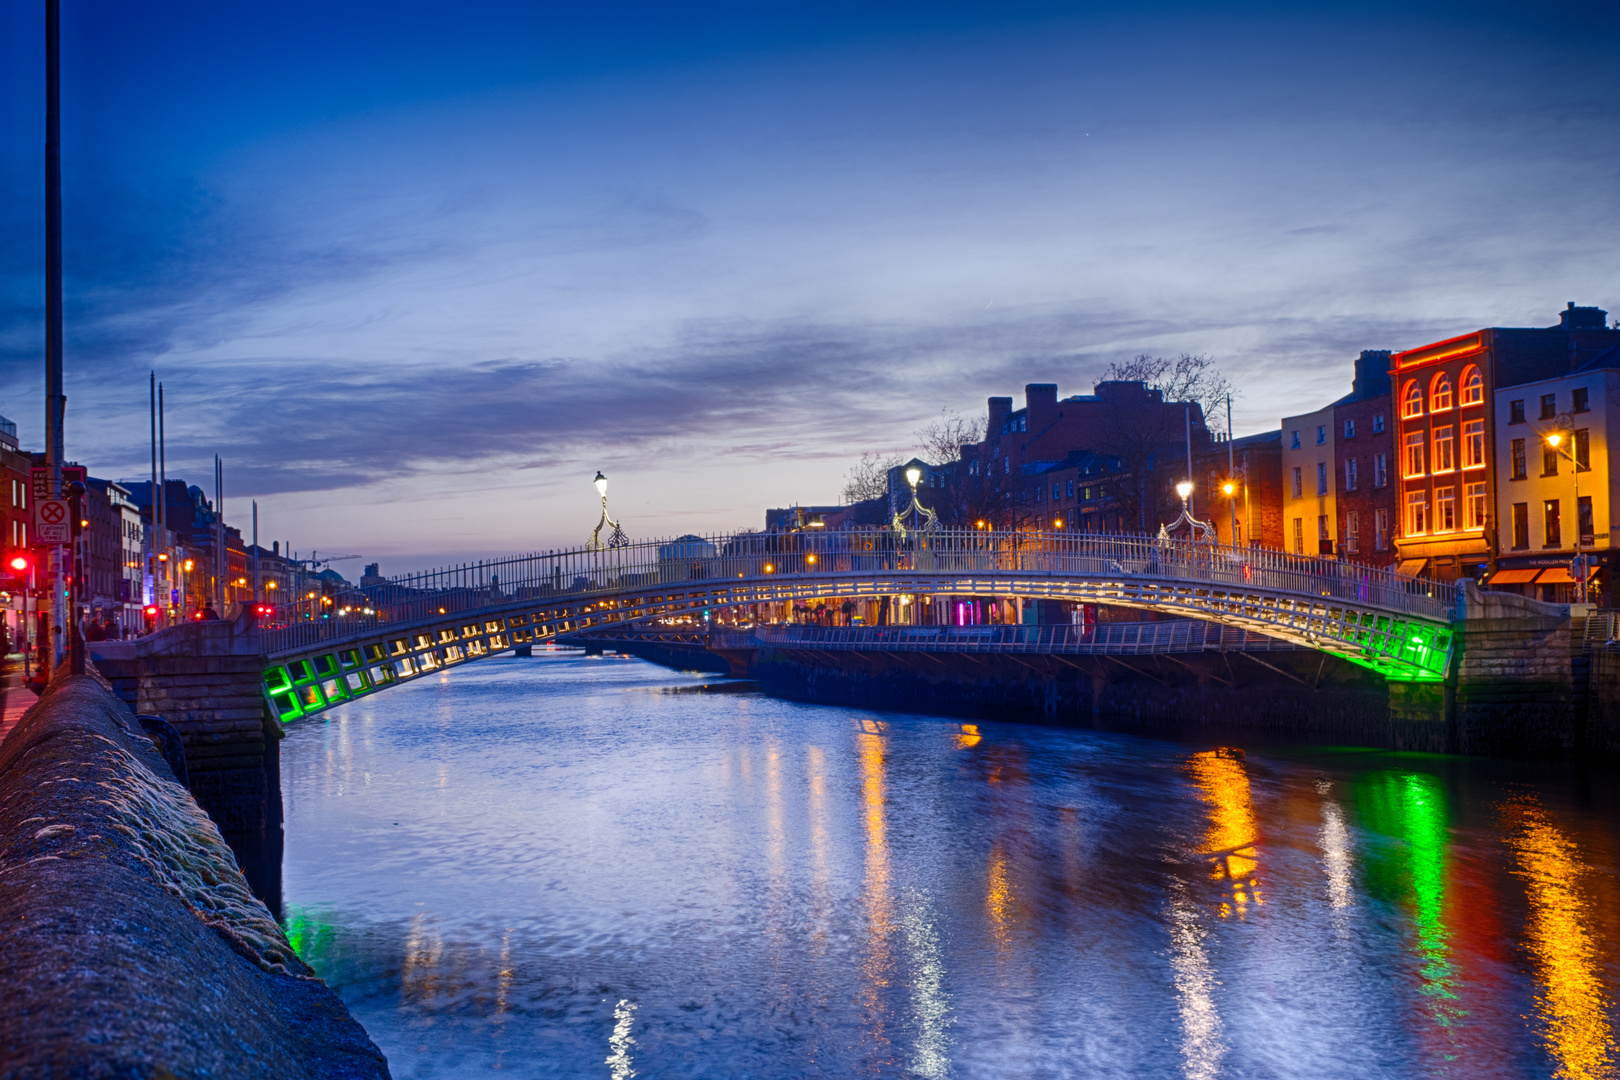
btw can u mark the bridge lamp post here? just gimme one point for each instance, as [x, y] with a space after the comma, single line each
[616, 539]
[1184, 489]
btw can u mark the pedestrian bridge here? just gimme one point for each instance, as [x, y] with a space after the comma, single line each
[336, 648]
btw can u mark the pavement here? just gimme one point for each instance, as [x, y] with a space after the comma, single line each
[15, 698]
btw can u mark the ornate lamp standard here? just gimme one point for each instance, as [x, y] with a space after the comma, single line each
[1196, 530]
[921, 518]
[616, 539]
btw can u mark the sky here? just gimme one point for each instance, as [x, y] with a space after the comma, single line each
[417, 271]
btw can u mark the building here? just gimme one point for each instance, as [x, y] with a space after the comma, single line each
[1364, 451]
[1554, 496]
[1443, 395]
[113, 547]
[1126, 422]
[1310, 510]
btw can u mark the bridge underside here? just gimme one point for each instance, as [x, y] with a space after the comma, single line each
[310, 678]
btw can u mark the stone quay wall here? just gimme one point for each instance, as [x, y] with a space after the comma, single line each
[130, 943]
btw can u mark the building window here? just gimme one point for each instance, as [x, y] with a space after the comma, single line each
[1549, 406]
[1583, 511]
[1380, 530]
[1521, 526]
[1550, 525]
[1350, 474]
[1414, 453]
[1299, 536]
[1440, 395]
[1349, 429]
[1323, 542]
[1378, 424]
[1057, 491]
[1519, 466]
[1474, 444]
[1321, 434]
[1417, 513]
[1321, 478]
[1412, 400]
[1578, 400]
[1549, 461]
[1473, 387]
[1444, 459]
[1475, 495]
[1299, 483]
[1583, 451]
[1069, 488]
[1352, 530]
[1293, 440]
[1445, 509]
[1380, 470]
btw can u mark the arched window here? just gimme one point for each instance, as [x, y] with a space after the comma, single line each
[1412, 400]
[1440, 393]
[1473, 387]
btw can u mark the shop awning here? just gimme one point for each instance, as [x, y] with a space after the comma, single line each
[1559, 575]
[1514, 577]
[1411, 567]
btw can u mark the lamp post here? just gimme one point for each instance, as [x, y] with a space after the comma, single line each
[921, 518]
[616, 539]
[1565, 447]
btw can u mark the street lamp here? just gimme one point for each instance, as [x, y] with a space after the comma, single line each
[1184, 489]
[921, 518]
[1196, 530]
[1556, 439]
[616, 539]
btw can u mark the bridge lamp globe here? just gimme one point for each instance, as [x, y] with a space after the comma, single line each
[601, 484]
[913, 475]
[1184, 489]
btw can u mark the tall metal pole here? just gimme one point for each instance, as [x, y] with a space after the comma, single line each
[151, 540]
[255, 551]
[222, 564]
[166, 565]
[1231, 470]
[55, 402]
[1186, 408]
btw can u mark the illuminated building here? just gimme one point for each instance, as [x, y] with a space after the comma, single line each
[1447, 433]
[1309, 510]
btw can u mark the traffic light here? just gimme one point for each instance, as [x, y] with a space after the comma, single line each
[16, 568]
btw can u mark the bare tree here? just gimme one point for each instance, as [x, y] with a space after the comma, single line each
[869, 477]
[941, 441]
[1188, 377]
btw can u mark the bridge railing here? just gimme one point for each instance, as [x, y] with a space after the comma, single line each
[706, 561]
[1165, 635]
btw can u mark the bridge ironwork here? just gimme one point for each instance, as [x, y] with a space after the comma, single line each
[332, 648]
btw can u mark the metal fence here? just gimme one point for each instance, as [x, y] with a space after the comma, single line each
[962, 553]
[1122, 638]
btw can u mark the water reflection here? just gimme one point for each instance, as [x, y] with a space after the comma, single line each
[1571, 997]
[567, 880]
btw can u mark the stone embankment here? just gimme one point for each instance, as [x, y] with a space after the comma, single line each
[130, 943]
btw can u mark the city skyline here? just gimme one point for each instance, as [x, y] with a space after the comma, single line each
[417, 280]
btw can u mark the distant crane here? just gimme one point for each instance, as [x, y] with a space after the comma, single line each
[314, 563]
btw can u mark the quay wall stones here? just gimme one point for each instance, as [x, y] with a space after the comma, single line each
[1521, 678]
[130, 944]
[206, 679]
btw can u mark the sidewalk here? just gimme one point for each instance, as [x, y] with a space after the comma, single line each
[15, 698]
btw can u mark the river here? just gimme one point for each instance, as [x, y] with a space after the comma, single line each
[595, 867]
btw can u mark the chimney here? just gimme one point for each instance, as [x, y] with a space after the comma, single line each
[1040, 399]
[1372, 374]
[1000, 407]
[1582, 318]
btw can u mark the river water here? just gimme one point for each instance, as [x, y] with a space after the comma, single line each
[594, 867]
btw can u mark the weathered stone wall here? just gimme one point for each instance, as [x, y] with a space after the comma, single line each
[130, 945]
[205, 678]
[1517, 691]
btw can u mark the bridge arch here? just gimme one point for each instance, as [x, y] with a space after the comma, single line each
[333, 650]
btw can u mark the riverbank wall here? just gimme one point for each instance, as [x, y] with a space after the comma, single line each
[130, 943]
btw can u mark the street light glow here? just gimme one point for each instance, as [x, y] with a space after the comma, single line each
[601, 484]
[1555, 438]
[1184, 489]
[913, 475]
[1229, 487]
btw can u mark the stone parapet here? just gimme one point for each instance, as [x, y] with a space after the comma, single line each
[130, 944]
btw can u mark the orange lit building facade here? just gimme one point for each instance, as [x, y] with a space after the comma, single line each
[1443, 441]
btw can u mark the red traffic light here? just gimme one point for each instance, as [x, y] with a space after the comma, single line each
[151, 610]
[18, 563]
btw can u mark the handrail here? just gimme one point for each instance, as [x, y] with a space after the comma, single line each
[580, 574]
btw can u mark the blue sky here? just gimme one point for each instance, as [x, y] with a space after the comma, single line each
[417, 271]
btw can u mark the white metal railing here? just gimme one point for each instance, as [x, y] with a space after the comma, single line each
[1120, 638]
[961, 553]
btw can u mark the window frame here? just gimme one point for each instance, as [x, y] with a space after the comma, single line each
[1472, 385]
[1440, 393]
[1411, 400]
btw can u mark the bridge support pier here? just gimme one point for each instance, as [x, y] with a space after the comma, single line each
[207, 680]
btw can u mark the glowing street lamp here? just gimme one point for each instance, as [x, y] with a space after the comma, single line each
[616, 539]
[921, 518]
[1184, 489]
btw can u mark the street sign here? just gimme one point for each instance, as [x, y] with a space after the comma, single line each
[70, 473]
[40, 481]
[52, 522]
